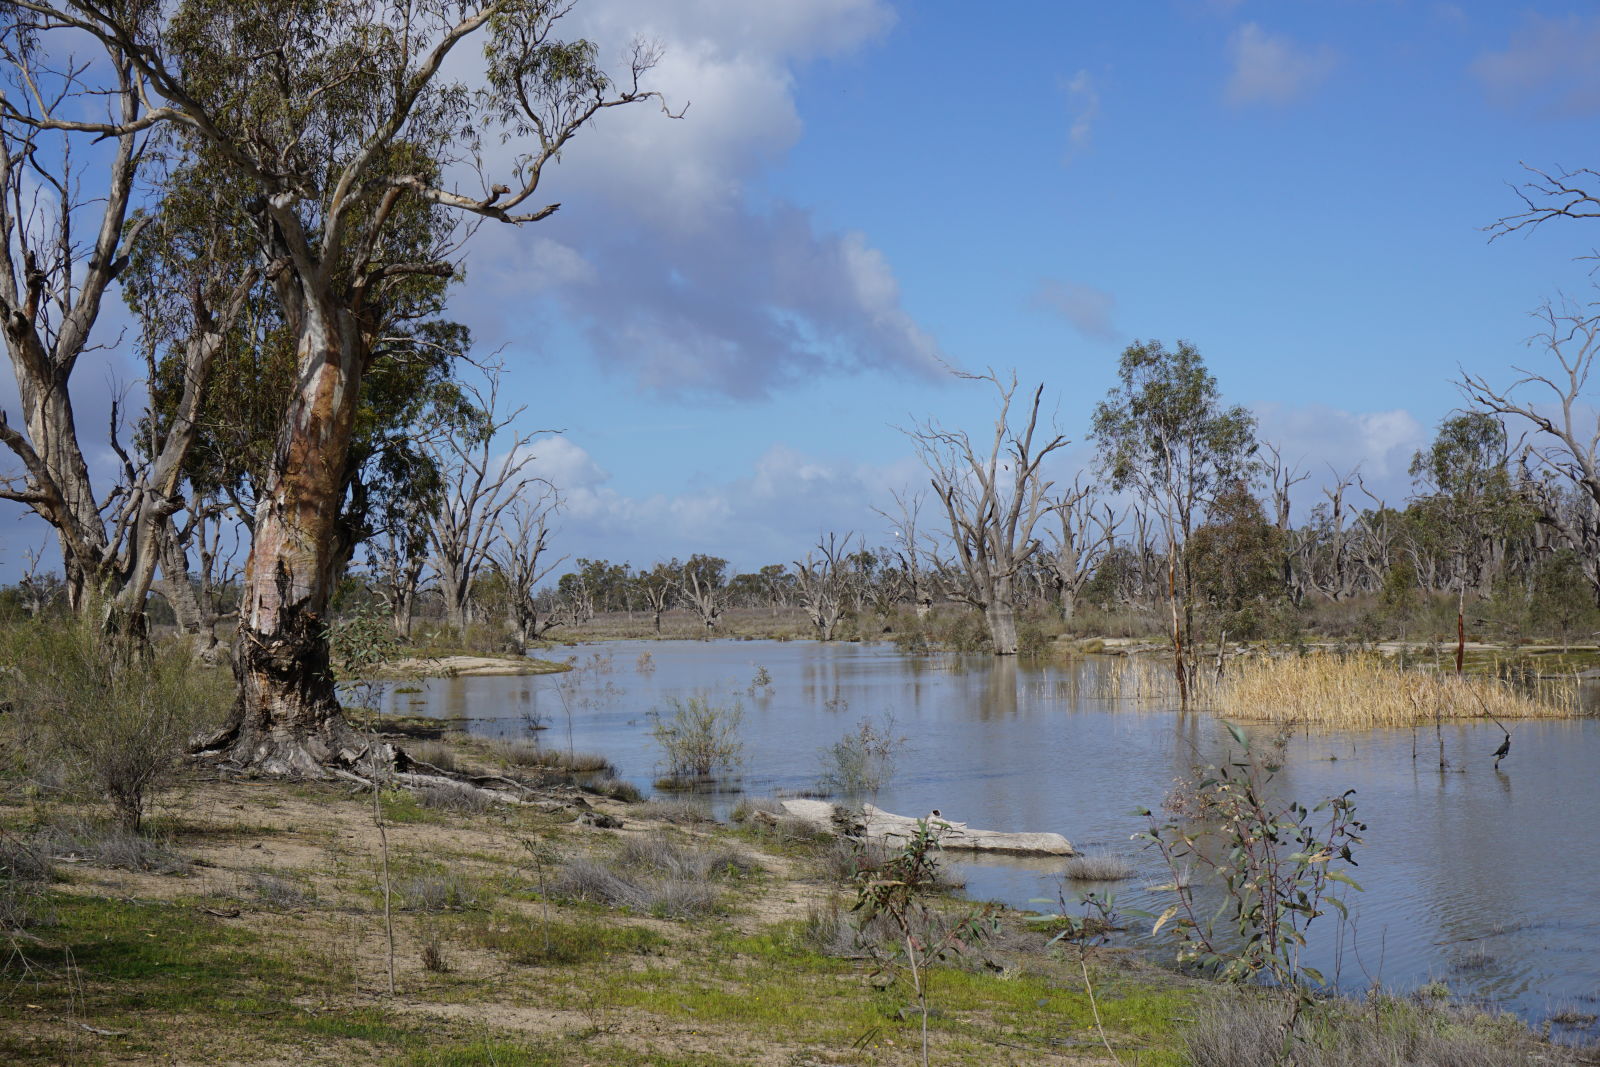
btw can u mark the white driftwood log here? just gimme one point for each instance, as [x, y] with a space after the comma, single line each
[875, 824]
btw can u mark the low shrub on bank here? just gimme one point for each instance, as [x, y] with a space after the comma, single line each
[114, 718]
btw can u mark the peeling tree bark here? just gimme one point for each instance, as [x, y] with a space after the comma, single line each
[287, 718]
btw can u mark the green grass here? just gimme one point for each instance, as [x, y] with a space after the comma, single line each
[529, 942]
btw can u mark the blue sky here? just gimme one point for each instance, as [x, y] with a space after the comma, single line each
[734, 311]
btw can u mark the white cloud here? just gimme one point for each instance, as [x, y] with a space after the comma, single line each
[1271, 69]
[1550, 64]
[565, 464]
[1083, 106]
[772, 512]
[662, 257]
[1319, 439]
[1088, 309]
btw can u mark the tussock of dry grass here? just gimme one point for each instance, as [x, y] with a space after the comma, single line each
[1324, 689]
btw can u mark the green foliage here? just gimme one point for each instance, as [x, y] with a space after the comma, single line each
[898, 891]
[360, 644]
[1400, 595]
[1162, 430]
[1238, 559]
[1276, 862]
[699, 739]
[1466, 496]
[1563, 598]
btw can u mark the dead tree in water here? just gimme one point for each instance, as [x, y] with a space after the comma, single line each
[992, 496]
[820, 584]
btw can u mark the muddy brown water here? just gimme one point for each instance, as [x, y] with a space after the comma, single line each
[1486, 882]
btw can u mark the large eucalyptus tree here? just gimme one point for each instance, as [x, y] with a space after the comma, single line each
[356, 147]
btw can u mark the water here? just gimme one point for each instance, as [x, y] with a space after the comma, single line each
[1484, 881]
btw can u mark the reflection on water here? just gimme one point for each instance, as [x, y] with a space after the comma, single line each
[1483, 880]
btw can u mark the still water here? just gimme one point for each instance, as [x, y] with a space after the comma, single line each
[1487, 882]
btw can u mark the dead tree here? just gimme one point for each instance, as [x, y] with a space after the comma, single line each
[820, 581]
[520, 554]
[481, 474]
[1085, 529]
[658, 586]
[702, 582]
[909, 553]
[993, 496]
[61, 250]
[1282, 478]
[1564, 444]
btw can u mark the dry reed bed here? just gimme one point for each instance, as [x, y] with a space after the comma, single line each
[1332, 689]
[1325, 689]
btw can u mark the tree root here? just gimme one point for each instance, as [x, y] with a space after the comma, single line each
[362, 761]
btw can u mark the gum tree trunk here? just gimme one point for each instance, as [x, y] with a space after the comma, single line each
[287, 719]
[1002, 618]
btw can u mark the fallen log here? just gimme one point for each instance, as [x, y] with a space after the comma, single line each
[874, 824]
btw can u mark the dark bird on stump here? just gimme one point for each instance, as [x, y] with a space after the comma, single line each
[1500, 753]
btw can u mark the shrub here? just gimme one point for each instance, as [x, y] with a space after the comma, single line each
[858, 764]
[1277, 862]
[699, 739]
[25, 870]
[116, 719]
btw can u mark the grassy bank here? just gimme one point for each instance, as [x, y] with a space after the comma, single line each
[247, 926]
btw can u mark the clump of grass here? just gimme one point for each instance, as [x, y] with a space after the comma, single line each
[1097, 869]
[1324, 689]
[665, 857]
[678, 812]
[616, 789]
[435, 754]
[1247, 1031]
[433, 957]
[448, 796]
[529, 754]
[105, 844]
[532, 944]
[654, 876]
[276, 892]
[436, 891]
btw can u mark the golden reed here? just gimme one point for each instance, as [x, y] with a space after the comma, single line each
[1339, 690]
